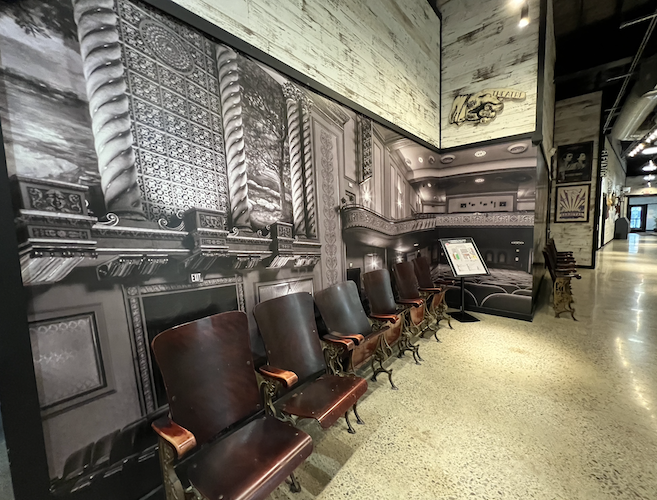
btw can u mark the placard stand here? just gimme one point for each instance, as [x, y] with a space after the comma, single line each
[465, 260]
[461, 315]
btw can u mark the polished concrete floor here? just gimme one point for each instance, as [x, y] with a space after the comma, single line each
[553, 409]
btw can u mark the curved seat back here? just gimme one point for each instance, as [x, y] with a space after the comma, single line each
[342, 310]
[405, 280]
[379, 292]
[289, 331]
[480, 291]
[508, 302]
[208, 372]
[423, 272]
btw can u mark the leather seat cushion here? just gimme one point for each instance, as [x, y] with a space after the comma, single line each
[250, 463]
[325, 399]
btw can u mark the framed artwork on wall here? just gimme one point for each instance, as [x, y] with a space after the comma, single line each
[574, 162]
[572, 203]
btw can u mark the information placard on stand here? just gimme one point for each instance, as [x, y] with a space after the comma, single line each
[465, 260]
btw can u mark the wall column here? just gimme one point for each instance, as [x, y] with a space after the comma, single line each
[309, 181]
[231, 112]
[108, 105]
[292, 97]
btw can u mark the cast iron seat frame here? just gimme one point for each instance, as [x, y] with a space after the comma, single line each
[343, 314]
[294, 352]
[408, 289]
[384, 308]
[434, 295]
[214, 401]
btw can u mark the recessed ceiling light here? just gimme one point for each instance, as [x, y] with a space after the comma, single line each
[650, 167]
[408, 161]
[420, 159]
[650, 151]
[517, 148]
[447, 158]
[479, 180]
[432, 160]
[416, 244]
[429, 184]
[480, 153]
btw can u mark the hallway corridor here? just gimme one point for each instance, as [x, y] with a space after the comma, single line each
[553, 409]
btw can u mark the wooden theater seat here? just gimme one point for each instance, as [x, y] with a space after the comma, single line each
[344, 317]
[383, 308]
[433, 292]
[214, 400]
[408, 290]
[289, 331]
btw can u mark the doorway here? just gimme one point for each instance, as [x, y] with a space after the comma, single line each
[638, 216]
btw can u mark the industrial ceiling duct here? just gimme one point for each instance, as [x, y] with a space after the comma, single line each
[640, 102]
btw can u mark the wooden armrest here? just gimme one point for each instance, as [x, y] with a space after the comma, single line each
[431, 290]
[389, 317]
[285, 377]
[413, 302]
[180, 438]
[356, 337]
[348, 344]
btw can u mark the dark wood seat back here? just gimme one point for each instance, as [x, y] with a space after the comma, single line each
[342, 310]
[379, 292]
[406, 281]
[207, 367]
[423, 272]
[288, 329]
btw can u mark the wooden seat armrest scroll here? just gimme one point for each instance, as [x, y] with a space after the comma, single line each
[345, 342]
[356, 337]
[285, 377]
[390, 317]
[413, 302]
[180, 438]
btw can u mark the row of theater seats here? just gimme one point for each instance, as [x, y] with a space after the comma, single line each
[497, 297]
[222, 413]
[563, 268]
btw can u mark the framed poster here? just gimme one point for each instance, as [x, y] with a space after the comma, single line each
[574, 162]
[464, 257]
[572, 203]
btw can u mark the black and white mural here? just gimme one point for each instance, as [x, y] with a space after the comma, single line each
[159, 176]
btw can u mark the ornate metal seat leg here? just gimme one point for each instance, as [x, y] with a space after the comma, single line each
[358, 419]
[346, 417]
[379, 356]
[295, 487]
[173, 488]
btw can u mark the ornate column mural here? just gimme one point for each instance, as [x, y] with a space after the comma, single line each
[309, 181]
[330, 219]
[231, 110]
[108, 105]
[292, 98]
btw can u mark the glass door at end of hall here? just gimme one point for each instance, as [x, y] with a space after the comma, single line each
[638, 217]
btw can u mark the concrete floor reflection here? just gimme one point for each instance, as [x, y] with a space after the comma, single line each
[553, 409]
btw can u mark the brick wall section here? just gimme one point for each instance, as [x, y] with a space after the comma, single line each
[382, 54]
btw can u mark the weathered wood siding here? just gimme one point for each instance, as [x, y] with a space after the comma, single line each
[483, 48]
[578, 120]
[382, 54]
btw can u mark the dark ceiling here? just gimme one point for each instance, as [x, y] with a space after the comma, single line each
[595, 54]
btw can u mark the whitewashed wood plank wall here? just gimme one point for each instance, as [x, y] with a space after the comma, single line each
[382, 54]
[549, 88]
[483, 48]
[578, 120]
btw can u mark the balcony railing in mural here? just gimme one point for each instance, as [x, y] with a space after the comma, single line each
[57, 234]
[356, 216]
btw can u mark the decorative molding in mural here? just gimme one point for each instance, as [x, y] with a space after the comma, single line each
[365, 141]
[482, 107]
[361, 217]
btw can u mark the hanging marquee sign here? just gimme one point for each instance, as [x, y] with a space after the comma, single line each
[482, 107]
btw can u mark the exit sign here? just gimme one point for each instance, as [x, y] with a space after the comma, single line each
[195, 278]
